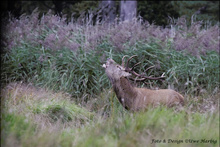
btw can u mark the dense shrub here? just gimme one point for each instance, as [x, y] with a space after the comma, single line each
[81, 72]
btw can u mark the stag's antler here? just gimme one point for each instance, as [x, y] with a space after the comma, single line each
[142, 77]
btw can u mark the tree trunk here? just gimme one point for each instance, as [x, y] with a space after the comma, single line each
[108, 10]
[128, 10]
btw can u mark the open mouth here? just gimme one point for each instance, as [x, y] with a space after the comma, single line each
[104, 65]
[108, 62]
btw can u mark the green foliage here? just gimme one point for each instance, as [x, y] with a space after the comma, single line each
[69, 9]
[157, 12]
[151, 11]
[160, 123]
[83, 6]
[182, 70]
[210, 13]
[18, 126]
[56, 112]
[66, 70]
[66, 113]
[80, 72]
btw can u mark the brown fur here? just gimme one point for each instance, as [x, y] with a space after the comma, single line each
[135, 99]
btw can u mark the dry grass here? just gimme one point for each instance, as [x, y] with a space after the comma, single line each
[40, 106]
[29, 112]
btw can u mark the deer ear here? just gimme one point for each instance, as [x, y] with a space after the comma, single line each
[126, 74]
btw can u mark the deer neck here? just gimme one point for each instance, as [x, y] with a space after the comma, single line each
[125, 92]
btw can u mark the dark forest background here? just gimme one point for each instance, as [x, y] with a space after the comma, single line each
[157, 12]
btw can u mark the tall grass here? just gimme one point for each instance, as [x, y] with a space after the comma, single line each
[80, 72]
[52, 32]
[68, 57]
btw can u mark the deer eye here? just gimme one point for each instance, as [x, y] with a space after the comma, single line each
[118, 67]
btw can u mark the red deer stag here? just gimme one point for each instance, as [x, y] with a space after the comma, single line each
[133, 98]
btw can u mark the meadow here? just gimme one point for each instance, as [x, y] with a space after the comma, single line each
[54, 91]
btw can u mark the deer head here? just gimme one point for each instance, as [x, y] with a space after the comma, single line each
[115, 71]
